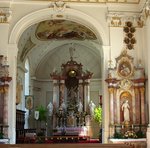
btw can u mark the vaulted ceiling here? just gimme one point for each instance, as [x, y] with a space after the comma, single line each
[47, 45]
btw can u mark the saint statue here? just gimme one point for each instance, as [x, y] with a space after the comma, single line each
[92, 107]
[125, 108]
[50, 109]
[63, 106]
[36, 115]
[80, 107]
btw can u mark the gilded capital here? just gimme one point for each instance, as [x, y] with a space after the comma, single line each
[5, 14]
[142, 89]
[111, 90]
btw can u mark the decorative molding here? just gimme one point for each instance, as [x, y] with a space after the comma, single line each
[146, 9]
[102, 1]
[5, 14]
[119, 19]
[59, 6]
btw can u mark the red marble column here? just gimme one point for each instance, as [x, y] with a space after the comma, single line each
[137, 105]
[143, 120]
[111, 90]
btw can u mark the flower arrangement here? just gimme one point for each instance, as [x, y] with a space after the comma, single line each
[130, 134]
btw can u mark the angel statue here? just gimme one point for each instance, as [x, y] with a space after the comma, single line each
[50, 109]
[92, 107]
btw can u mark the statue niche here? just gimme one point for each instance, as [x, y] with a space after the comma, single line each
[72, 84]
[126, 107]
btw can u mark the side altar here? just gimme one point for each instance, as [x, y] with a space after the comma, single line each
[71, 108]
[126, 87]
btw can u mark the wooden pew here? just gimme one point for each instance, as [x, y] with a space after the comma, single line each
[90, 145]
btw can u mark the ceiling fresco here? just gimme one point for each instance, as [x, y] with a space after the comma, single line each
[63, 29]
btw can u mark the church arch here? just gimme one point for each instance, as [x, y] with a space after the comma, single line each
[46, 14]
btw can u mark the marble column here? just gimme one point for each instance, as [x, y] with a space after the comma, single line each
[143, 121]
[137, 104]
[55, 101]
[61, 91]
[111, 95]
[115, 106]
[111, 90]
[87, 95]
[118, 106]
[81, 91]
[5, 111]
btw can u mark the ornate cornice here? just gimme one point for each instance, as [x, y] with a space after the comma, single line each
[117, 19]
[146, 9]
[5, 14]
[101, 1]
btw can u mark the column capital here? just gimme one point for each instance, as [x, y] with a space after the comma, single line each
[5, 14]
[142, 89]
[111, 90]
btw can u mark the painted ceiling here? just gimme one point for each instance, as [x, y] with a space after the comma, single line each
[63, 29]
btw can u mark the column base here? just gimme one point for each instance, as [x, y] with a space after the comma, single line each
[112, 131]
[148, 135]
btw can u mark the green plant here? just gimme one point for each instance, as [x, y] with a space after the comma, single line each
[1, 135]
[42, 113]
[98, 114]
[140, 134]
[118, 135]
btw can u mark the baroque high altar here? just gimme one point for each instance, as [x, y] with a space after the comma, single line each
[126, 86]
[71, 99]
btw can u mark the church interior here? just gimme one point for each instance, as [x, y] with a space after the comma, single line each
[75, 71]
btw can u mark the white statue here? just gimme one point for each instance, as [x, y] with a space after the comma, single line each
[80, 107]
[36, 114]
[50, 109]
[125, 109]
[63, 106]
[92, 107]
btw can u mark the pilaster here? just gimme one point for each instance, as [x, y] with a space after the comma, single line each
[12, 61]
[105, 123]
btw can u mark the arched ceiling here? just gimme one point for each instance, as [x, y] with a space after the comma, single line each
[47, 44]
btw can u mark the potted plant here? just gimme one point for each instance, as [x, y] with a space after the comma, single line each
[1, 135]
[42, 117]
[42, 113]
[98, 119]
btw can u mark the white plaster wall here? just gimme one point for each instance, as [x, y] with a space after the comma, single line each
[116, 43]
[4, 29]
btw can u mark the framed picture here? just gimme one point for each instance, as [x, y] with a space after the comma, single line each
[29, 102]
